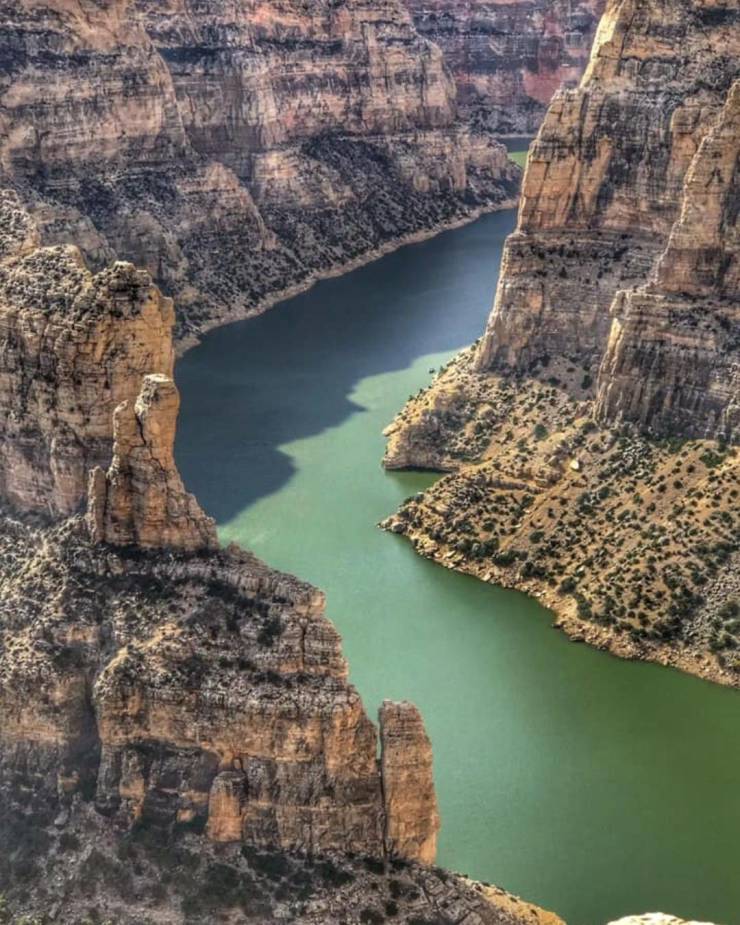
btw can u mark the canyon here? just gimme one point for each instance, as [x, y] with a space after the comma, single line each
[180, 740]
[171, 707]
[508, 59]
[239, 152]
[590, 432]
[236, 152]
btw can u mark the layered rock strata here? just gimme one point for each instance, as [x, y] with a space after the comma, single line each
[73, 346]
[141, 500]
[509, 59]
[672, 365]
[236, 150]
[605, 177]
[616, 322]
[408, 783]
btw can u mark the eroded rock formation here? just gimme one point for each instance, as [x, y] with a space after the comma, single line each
[604, 183]
[235, 150]
[508, 59]
[410, 802]
[174, 683]
[616, 321]
[73, 346]
[672, 365]
[141, 500]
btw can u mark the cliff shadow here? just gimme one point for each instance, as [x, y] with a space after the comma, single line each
[254, 386]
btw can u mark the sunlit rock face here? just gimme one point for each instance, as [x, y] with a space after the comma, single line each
[73, 346]
[605, 180]
[141, 501]
[508, 59]
[673, 361]
[235, 149]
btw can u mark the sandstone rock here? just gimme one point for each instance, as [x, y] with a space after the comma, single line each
[412, 820]
[141, 500]
[605, 176]
[673, 361]
[220, 702]
[236, 149]
[508, 59]
[73, 346]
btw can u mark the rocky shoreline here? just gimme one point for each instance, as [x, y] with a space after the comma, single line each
[183, 344]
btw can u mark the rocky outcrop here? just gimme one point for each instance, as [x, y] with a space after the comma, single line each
[615, 322]
[605, 177]
[672, 365]
[412, 820]
[236, 150]
[508, 59]
[73, 346]
[184, 692]
[141, 500]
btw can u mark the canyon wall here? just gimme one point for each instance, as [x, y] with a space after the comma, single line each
[73, 346]
[672, 365]
[184, 685]
[508, 59]
[236, 150]
[589, 433]
[604, 183]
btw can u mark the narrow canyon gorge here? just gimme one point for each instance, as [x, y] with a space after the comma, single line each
[154, 686]
[180, 741]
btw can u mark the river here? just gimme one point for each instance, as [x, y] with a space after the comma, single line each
[592, 786]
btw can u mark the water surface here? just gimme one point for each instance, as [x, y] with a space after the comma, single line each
[592, 786]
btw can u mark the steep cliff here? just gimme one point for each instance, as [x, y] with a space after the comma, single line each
[605, 177]
[508, 59]
[672, 365]
[178, 737]
[235, 150]
[73, 346]
[141, 500]
[615, 323]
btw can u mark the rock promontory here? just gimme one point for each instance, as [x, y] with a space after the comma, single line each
[179, 740]
[591, 435]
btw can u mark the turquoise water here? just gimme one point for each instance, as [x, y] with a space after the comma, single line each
[592, 786]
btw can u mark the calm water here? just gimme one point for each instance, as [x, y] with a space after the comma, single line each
[592, 786]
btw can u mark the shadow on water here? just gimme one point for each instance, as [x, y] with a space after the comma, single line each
[593, 786]
[254, 386]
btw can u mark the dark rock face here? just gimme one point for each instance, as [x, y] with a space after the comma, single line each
[508, 59]
[236, 150]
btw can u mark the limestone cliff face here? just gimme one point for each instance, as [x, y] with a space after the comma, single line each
[508, 59]
[411, 814]
[141, 500]
[73, 346]
[616, 321]
[144, 671]
[605, 177]
[235, 149]
[673, 361]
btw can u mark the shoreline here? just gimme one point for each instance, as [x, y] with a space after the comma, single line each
[577, 630]
[183, 345]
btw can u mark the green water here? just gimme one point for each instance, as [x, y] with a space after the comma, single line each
[593, 786]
